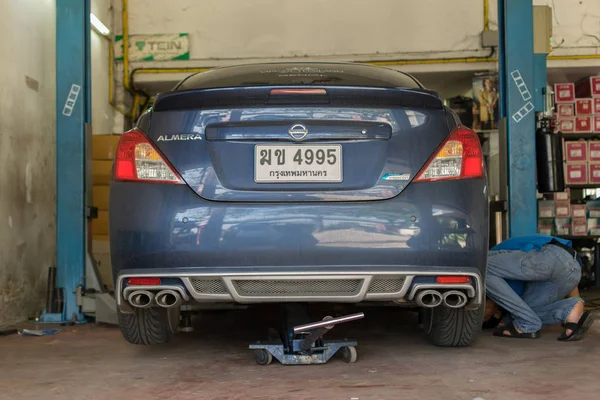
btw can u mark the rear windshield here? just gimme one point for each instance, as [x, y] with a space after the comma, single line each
[280, 74]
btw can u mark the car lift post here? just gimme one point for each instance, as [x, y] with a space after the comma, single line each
[73, 118]
[517, 111]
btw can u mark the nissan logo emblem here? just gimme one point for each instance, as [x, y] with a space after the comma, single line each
[298, 132]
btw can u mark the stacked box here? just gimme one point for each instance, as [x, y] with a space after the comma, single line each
[562, 209]
[578, 211]
[566, 125]
[596, 107]
[583, 124]
[583, 107]
[576, 151]
[593, 208]
[546, 226]
[562, 226]
[579, 227]
[562, 196]
[564, 93]
[594, 173]
[593, 225]
[576, 174]
[596, 123]
[565, 110]
[546, 209]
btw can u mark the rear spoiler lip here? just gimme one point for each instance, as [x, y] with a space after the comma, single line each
[345, 96]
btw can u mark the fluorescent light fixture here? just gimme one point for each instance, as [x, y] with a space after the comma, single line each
[99, 26]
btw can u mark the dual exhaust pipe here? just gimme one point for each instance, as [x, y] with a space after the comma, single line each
[165, 298]
[433, 298]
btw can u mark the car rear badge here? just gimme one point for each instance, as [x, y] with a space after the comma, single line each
[170, 138]
[396, 177]
[298, 132]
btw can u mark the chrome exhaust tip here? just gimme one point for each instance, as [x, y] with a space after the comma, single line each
[455, 299]
[168, 298]
[429, 298]
[141, 298]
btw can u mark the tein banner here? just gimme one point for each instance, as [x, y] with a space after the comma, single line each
[158, 47]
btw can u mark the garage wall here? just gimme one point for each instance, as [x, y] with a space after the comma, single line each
[27, 155]
[289, 28]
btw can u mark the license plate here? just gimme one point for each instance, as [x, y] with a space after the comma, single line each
[297, 163]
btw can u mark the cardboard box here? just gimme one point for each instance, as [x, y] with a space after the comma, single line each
[100, 196]
[566, 125]
[564, 93]
[100, 224]
[546, 209]
[562, 209]
[583, 124]
[579, 227]
[578, 211]
[594, 150]
[594, 174]
[563, 196]
[98, 237]
[566, 110]
[576, 174]
[576, 151]
[546, 226]
[584, 106]
[596, 107]
[101, 246]
[593, 208]
[588, 87]
[596, 123]
[101, 172]
[562, 226]
[104, 147]
[593, 225]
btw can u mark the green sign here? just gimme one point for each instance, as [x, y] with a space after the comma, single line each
[159, 47]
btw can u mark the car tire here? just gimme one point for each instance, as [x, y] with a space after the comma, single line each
[148, 326]
[453, 327]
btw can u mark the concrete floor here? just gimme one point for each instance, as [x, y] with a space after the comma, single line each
[395, 362]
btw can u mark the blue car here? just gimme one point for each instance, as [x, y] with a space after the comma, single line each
[299, 182]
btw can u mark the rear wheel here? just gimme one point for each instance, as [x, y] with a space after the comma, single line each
[453, 327]
[149, 325]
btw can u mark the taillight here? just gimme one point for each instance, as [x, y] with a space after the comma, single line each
[143, 281]
[453, 279]
[459, 157]
[138, 160]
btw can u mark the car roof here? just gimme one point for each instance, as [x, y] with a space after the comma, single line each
[299, 74]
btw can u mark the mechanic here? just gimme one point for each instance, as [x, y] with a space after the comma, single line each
[532, 281]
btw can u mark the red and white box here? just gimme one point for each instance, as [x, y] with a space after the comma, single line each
[596, 122]
[564, 93]
[596, 101]
[594, 175]
[562, 196]
[566, 125]
[584, 106]
[576, 174]
[588, 87]
[578, 211]
[562, 226]
[576, 151]
[579, 227]
[546, 226]
[563, 209]
[566, 110]
[594, 151]
[583, 124]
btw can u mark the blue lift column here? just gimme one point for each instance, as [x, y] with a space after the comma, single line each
[73, 117]
[517, 108]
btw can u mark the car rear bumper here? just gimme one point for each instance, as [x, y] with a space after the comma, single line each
[334, 284]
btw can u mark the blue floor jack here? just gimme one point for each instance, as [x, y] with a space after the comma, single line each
[304, 344]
